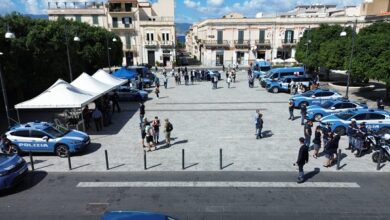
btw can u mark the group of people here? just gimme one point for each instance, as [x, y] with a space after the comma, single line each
[150, 131]
[102, 114]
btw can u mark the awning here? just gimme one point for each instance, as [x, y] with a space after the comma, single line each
[106, 78]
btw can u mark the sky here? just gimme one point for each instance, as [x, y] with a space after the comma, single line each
[189, 11]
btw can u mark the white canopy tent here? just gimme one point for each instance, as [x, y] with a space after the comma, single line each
[92, 85]
[106, 78]
[60, 95]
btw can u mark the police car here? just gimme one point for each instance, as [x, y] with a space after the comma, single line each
[12, 170]
[376, 120]
[44, 137]
[316, 112]
[315, 97]
[283, 85]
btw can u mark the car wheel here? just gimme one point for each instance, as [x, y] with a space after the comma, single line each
[340, 130]
[375, 157]
[317, 117]
[62, 150]
[13, 149]
[384, 130]
[275, 90]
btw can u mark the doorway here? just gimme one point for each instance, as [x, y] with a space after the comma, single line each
[129, 59]
[166, 59]
[240, 57]
[219, 58]
[151, 58]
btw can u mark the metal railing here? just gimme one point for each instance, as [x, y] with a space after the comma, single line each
[151, 43]
[216, 42]
[262, 42]
[289, 41]
[74, 5]
[120, 25]
[166, 43]
[242, 42]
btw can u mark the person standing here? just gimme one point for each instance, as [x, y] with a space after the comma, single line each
[317, 141]
[228, 81]
[259, 126]
[215, 82]
[303, 158]
[325, 134]
[115, 101]
[351, 132]
[168, 129]
[292, 87]
[308, 132]
[331, 149]
[303, 113]
[165, 82]
[156, 128]
[380, 104]
[97, 118]
[157, 91]
[87, 116]
[142, 126]
[291, 110]
[5, 144]
[149, 138]
[141, 111]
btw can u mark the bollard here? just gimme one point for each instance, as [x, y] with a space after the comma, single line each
[338, 159]
[145, 168]
[31, 161]
[107, 166]
[69, 162]
[182, 159]
[378, 165]
[220, 158]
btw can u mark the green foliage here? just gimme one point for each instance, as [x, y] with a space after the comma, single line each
[37, 57]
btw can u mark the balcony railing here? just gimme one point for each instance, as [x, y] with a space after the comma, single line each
[242, 43]
[289, 42]
[120, 25]
[122, 10]
[216, 42]
[166, 43]
[150, 43]
[74, 5]
[263, 42]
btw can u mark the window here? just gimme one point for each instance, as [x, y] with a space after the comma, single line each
[338, 106]
[240, 36]
[165, 37]
[289, 36]
[128, 41]
[349, 105]
[128, 6]
[375, 116]
[21, 133]
[37, 134]
[114, 22]
[360, 117]
[95, 19]
[149, 37]
[78, 18]
[126, 21]
[261, 36]
[219, 37]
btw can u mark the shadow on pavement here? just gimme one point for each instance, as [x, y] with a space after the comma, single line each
[230, 164]
[192, 165]
[311, 174]
[267, 134]
[30, 180]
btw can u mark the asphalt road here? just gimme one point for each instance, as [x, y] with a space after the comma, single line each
[56, 196]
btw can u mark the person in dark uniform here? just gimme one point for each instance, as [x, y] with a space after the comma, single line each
[115, 102]
[303, 158]
[380, 104]
[325, 134]
[303, 113]
[331, 149]
[291, 110]
[351, 132]
[259, 126]
[5, 143]
[141, 111]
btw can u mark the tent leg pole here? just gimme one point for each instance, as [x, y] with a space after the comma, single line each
[17, 113]
[82, 118]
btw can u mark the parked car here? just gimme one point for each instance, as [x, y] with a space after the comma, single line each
[127, 93]
[134, 215]
[13, 169]
[44, 137]
[260, 68]
[315, 97]
[283, 84]
[376, 120]
[277, 73]
[212, 73]
[316, 112]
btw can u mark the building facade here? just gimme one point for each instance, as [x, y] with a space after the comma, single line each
[147, 30]
[234, 39]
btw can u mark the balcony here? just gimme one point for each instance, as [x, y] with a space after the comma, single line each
[241, 44]
[166, 44]
[151, 44]
[215, 44]
[289, 42]
[121, 26]
[263, 44]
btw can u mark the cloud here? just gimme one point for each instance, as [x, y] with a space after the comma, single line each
[191, 4]
[215, 2]
[7, 6]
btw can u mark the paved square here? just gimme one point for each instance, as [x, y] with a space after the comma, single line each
[204, 121]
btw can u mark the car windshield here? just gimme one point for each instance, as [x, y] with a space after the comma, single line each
[344, 115]
[55, 132]
[265, 68]
[268, 74]
[327, 104]
[308, 93]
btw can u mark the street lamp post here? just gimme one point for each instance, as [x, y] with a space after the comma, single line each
[343, 34]
[108, 52]
[76, 39]
[8, 35]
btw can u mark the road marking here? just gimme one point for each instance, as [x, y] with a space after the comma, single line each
[219, 184]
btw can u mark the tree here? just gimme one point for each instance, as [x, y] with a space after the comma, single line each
[36, 58]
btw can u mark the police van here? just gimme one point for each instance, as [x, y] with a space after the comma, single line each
[277, 73]
[284, 84]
